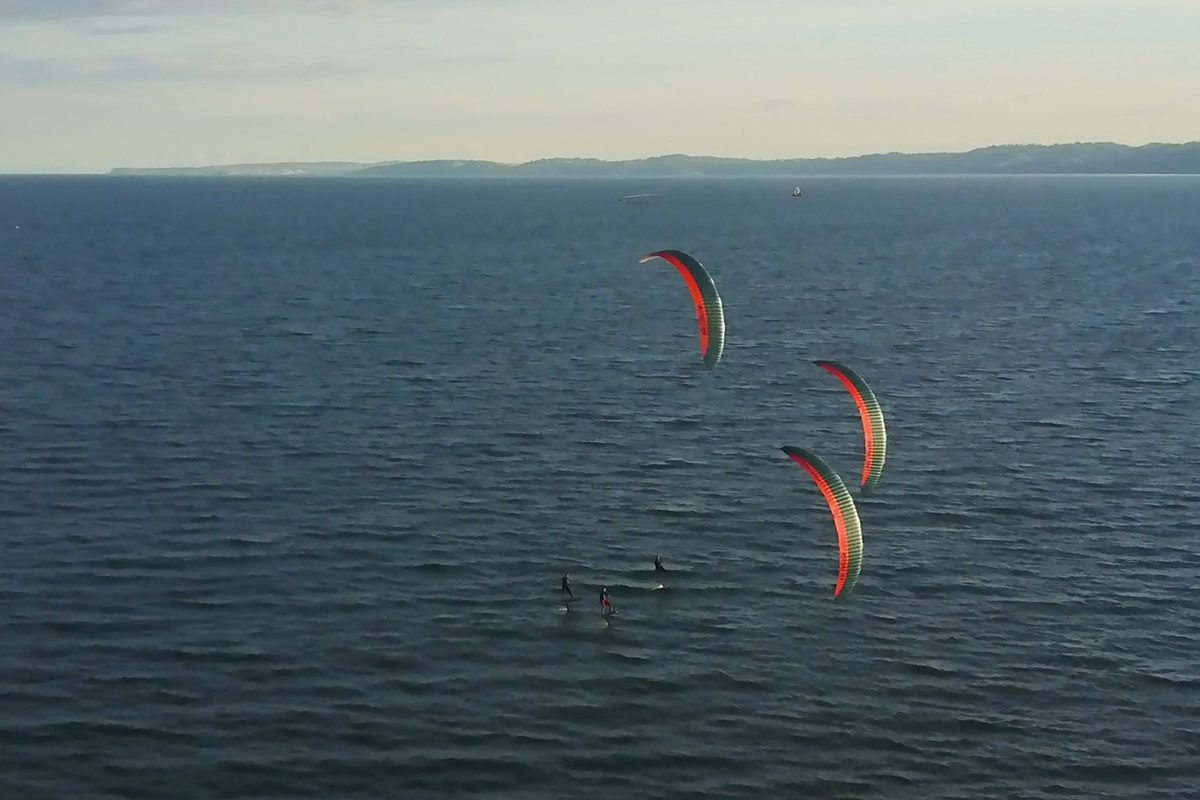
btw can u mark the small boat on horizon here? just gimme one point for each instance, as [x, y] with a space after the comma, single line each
[797, 192]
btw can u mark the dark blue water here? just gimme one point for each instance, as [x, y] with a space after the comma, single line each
[289, 472]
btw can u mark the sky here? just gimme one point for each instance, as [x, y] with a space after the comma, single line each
[88, 85]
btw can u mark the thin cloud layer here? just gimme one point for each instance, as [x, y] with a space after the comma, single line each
[108, 70]
[83, 9]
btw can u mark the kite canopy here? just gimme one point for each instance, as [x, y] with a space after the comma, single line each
[709, 313]
[845, 516]
[874, 432]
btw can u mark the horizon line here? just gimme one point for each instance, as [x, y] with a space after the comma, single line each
[334, 164]
[448, 160]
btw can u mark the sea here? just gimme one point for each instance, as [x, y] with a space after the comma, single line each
[291, 470]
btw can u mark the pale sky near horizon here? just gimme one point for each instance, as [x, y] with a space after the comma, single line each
[87, 85]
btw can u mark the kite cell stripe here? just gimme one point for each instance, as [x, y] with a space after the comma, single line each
[845, 516]
[709, 313]
[874, 432]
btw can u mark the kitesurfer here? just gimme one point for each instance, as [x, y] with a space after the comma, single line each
[606, 607]
[658, 565]
[566, 588]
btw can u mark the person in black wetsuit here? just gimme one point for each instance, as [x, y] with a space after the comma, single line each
[566, 588]
[658, 565]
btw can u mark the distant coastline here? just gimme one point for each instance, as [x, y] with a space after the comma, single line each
[1058, 159]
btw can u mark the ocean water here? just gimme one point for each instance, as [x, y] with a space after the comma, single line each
[290, 470]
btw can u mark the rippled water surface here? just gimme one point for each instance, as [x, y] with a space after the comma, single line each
[289, 472]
